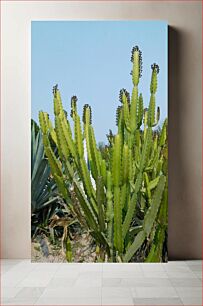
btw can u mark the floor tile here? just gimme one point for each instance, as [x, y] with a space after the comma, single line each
[112, 282]
[189, 291]
[15, 275]
[109, 301]
[177, 268]
[177, 262]
[6, 268]
[185, 282]
[192, 301]
[193, 262]
[21, 301]
[154, 292]
[152, 267]
[157, 301]
[28, 292]
[198, 274]
[88, 282]
[123, 273]
[73, 292]
[36, 279]
[196, 268]
[146, 282]
[116, 292]
[94, 267]
[155, 274]
[122, 267]
[9, 292]
[69, 301]
[176, 274]
[61, 282]
[173, 283]
[68, 271]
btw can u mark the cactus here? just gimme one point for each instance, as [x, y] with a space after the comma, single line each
[129, 181]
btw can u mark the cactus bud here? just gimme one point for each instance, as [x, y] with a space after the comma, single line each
[127, 95]
[153, 85]
[136, 59]
[74, 100]
[87, 114]
[155, 67]
[55, 89]
[118, 113]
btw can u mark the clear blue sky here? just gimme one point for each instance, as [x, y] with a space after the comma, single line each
[91, 59]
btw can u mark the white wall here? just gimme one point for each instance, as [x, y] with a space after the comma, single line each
[184, 111]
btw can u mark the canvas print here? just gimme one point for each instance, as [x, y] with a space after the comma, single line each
[99, 144]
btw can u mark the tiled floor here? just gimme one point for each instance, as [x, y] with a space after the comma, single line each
[174, 283]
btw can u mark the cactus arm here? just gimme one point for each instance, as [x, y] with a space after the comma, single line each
[145, 121]
[152, 103]
[153, 210]
[79, 158]
[136, 59]
[95, 166]
[116, 175]
[130, 168]
[153, 183]
[140, 111]
[135, 230]
[157, 116]
[100, 202]
[61, 187]
[54, 163]
[139, 239]
[153, 84]
[151, 110]
[64, 130]
[149, 220]
[65, 126]
[109, 210]
[69, 255]
[120, 121]
[163, 135]
[123, 195]
[155, 254]
[51, 129]
[86, 207]
[146, 149]
[133, 109]
[78, 135]
[61, 140]
[118, 241]
[86, 180]
[125, 164]
[131, 208]
[116, 161]
[126, 112]
[146, 180]
[104, 171]
[58, 107]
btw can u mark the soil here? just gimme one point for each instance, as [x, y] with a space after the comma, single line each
[83, 249]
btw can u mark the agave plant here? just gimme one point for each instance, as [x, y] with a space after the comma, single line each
[122, 196]
[43, 186]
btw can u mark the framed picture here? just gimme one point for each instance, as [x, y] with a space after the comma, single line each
[99, 141]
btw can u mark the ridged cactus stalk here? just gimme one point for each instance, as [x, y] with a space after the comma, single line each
[122, 196]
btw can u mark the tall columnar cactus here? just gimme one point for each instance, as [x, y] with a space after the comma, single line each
[122, 196]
